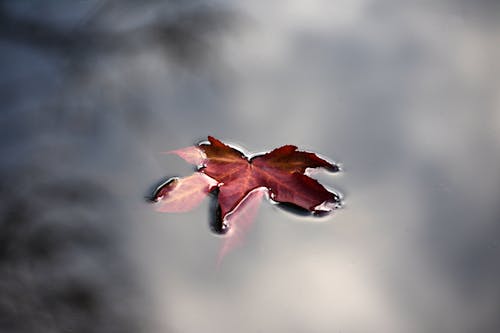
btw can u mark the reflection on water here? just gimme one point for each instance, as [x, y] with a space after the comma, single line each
[404, 93]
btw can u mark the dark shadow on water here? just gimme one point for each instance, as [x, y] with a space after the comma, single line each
[294, 209]
[153, 191]
[300, 211]
[216, 223]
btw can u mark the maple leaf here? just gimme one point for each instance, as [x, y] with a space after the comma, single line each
[281, 171]
[242, 181]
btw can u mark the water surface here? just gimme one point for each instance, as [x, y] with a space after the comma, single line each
[404, 95]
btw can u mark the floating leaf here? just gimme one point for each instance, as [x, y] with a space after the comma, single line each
[243, 180]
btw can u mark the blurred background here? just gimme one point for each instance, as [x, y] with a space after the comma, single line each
[404, 94]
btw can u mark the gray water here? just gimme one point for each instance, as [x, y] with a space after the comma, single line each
[404, 94]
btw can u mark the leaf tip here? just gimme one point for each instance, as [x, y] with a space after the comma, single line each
[192, 155]
[333, 167]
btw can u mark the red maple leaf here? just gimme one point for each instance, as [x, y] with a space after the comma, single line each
[242, 181]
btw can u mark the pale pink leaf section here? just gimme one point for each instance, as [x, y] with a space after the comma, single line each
[185, 193]
[240, 219]
[192, 155]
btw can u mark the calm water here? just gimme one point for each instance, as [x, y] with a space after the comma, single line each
[403, 94]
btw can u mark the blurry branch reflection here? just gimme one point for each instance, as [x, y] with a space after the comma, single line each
[182, 32]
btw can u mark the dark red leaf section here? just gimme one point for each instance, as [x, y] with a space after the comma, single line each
[281, 171]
